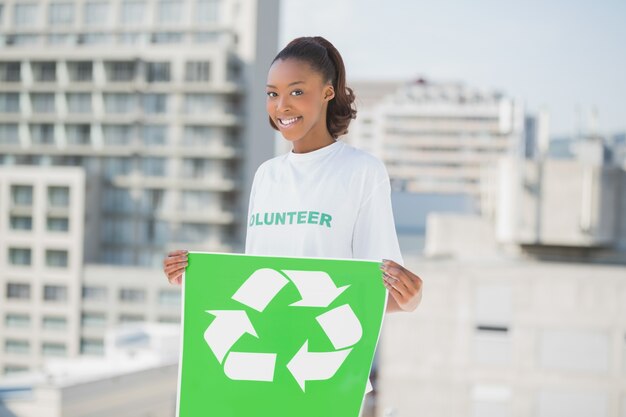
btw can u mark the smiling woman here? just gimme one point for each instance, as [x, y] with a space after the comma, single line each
[324, 198]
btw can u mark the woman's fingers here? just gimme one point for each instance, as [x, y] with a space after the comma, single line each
[174, 259]
[174, 265]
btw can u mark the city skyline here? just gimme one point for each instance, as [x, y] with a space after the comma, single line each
[563, 57]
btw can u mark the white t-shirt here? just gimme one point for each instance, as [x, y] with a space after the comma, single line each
[334, 202]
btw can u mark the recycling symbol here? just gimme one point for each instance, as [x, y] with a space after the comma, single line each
[316, 289]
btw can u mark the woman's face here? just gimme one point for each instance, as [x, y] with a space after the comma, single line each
[297, 98]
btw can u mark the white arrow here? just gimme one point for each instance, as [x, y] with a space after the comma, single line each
[243, 366]
[316, 288]
[315, 366]
[226, 329]
[341, 326]
[260, 288]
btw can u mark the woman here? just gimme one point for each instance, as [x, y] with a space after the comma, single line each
[324, 198]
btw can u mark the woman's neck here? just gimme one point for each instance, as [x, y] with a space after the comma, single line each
[313, 141]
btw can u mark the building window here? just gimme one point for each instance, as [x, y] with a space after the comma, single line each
[207, 11]
[55, 293]
[23, 40]
[118, 200]
[60, 14]
[200, 103]
[196, 168]
[59, 196]
[153, 232]
[53, 349]
[21, 223]
[44, 71]
[132, 12]
[117, 256]
[131, 38]
[57, 224]
[42, 133]
[79, 134]
[154, 135]
[153, 166]
[132, 295]
[96, 13]
[17, 320]
[169, 298]
[25, 15]
[198, 201]
[20, 256]
[169, 320]
[42, 102]
[118, 135]
[15, 369]
[61, 39]
[157, 72]
[79, 103]
[152, 201]
[197, 71]
[10, 72]
[9, 103]
[154, 103]
[195, 232]
[198, 135]
[167, 37]
[170, 11]
[93, 319]
[92, 347]
[18, 291]
[9, 134]
[94, 293]
[54, 323]
[132, 318]
[80, 71]
[120, 103]
[56, 258]
[22, 195]
[114, 167]
[16, 346]
[121, 71]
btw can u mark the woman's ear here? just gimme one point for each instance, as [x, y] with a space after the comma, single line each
[329, 93]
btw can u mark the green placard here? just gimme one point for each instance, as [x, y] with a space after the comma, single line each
[277, 337]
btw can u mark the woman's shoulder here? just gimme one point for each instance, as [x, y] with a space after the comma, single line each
[364, 162]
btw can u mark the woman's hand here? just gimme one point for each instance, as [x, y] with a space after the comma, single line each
[405, 288]
[174, 265]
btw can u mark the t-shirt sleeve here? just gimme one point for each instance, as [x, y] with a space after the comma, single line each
[374, 236]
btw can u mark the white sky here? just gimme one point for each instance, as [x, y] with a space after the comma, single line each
[556, 55]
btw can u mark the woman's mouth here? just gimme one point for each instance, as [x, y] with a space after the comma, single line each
[288, 122]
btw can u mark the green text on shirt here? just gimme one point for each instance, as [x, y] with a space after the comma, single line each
[290, 217]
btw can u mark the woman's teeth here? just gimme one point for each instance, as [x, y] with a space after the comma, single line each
[289, 122]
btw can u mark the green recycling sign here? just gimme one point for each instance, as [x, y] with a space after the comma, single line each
[277, 337]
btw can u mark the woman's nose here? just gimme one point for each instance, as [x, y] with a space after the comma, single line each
[282, 103]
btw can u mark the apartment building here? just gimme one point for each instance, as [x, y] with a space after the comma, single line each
[159, 101]
[41, 246]
[436, 137]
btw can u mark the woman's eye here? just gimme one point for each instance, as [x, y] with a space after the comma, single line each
[271, 94]
[296, 93]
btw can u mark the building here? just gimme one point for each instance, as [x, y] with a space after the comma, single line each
[135, 377]
[437, 137]
[41, 246]
[523, 314]
[159, 101]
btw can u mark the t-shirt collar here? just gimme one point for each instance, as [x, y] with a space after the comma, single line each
[318, 153]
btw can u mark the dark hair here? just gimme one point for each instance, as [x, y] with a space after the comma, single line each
[324, 58]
